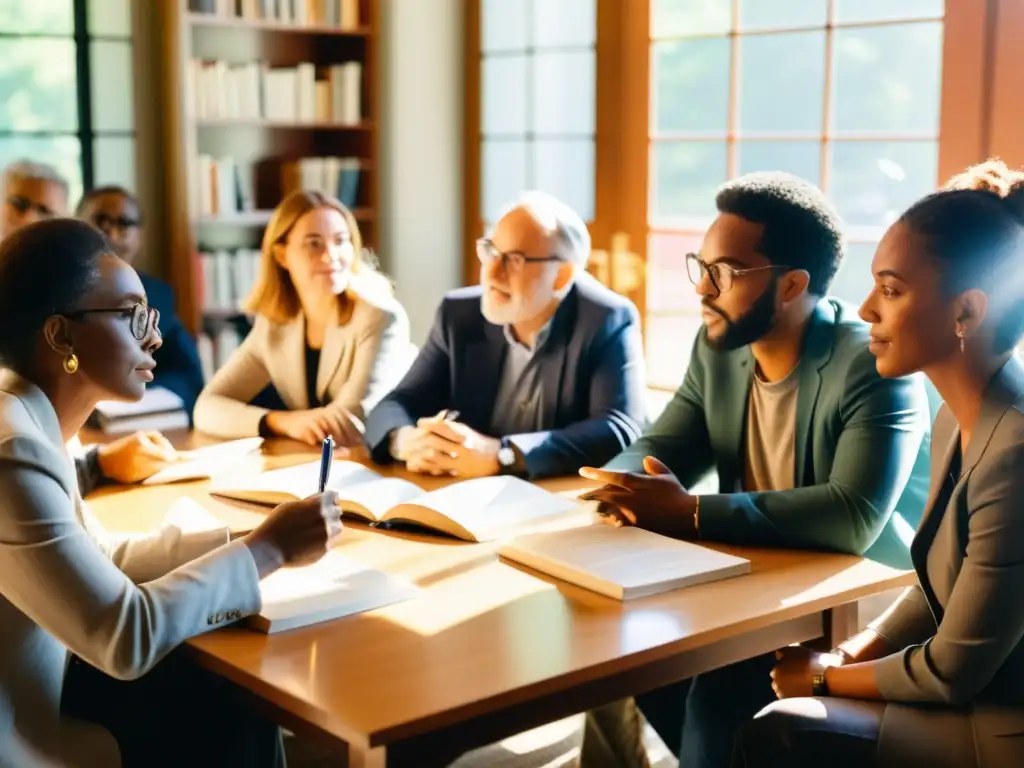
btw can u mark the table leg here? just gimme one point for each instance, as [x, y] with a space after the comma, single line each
[840, 623]
[367, 757]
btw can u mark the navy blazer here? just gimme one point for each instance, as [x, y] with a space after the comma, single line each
[592, 374]
[177, 361]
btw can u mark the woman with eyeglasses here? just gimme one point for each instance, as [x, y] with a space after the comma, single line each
[329, 339]
[117, 213]
[75, 328]
[938, 680]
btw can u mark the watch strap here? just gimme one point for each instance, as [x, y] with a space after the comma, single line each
[818, 685]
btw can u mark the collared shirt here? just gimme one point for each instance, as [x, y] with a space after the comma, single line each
[519, 403]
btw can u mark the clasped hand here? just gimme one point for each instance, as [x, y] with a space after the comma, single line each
[653, 499]
[437, 447]
[793, 676]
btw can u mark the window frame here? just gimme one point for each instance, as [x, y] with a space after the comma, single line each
[85, 133]
[980, 110]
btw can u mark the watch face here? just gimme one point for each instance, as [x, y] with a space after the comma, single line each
[506, 456]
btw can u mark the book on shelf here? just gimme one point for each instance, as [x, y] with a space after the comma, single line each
[333, 587]
[342, 14]
[621, 563]
[334, 176]
[159, 409]
[207, 462]
[481, 509]
[216, 346]
[254, 91]
[227, 278]
[225, 186]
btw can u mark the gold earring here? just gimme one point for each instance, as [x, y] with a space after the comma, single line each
[960, 335]
[71, 363]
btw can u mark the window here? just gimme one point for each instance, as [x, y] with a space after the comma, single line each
[538, 92]
[66, 88]
[844, 93]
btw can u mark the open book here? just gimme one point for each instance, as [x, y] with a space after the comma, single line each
[481, 509]
[622, 563]
[330, 588]
[206, 462]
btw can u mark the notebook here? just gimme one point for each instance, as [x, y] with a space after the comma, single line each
[333, 587]
[206, 462]
[476, 510]
[622, 563]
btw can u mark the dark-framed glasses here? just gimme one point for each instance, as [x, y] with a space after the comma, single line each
[23, 205]
[121, 223]
[721, 275]
[511, 261]
[142, 318]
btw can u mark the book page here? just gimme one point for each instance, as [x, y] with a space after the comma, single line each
[206, 462]
[379, 495]
[488, 507]
[293, 483]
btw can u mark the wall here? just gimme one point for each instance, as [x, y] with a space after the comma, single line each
[421, 152]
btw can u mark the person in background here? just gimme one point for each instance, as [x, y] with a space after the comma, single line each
[116, 212]
[812, 447]
[36, 191]
[74, 330]
[329, 335]
[938, 680]
[32, 192]
[535, 372]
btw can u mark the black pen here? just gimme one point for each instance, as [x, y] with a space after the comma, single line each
[326, 457]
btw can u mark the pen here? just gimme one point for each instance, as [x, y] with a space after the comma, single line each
[448, 414]
[326, 457]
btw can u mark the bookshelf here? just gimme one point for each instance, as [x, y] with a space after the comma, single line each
[255, 105]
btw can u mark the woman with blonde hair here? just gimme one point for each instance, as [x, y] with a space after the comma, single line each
[329, 335]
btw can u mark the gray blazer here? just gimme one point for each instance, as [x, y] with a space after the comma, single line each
[359, 364]
[962, 628]
[119, 603]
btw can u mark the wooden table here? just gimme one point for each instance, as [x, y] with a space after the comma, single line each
[489, 649]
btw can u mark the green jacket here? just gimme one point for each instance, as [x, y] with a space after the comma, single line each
[861, 446]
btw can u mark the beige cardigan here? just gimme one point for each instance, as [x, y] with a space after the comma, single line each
[360, 362]
[119, 603]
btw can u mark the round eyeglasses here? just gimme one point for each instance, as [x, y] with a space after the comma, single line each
[721, 275]
[143, 318]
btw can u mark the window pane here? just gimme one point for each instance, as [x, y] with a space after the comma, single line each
[112, 103]
[37, 85]
[888, 78]
[564, 22]
[886, 10]
[782, 82]
[675, 18]
[563, 93]
[110, 18]
[669, 341]
[55, 17]
[504, 172]
[62, 152]
[802, 158]
[668, 287]
[757, 14]
[503, 91]
[503, 25]
[114, 158]
[872, 183]
[566, 170]
[853, 282]
[684, 177]
[691, 85]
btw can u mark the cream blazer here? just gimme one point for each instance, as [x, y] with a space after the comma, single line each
[120, 603]
[360, 362]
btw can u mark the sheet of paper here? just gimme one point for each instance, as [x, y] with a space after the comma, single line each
[191, 516]
[207, 462]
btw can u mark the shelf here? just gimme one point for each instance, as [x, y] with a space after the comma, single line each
[223, 314]
[262, 218]
[236, 22]
[233, 122]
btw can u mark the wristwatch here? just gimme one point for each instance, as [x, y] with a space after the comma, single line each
[506, 457]
[818, 685]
